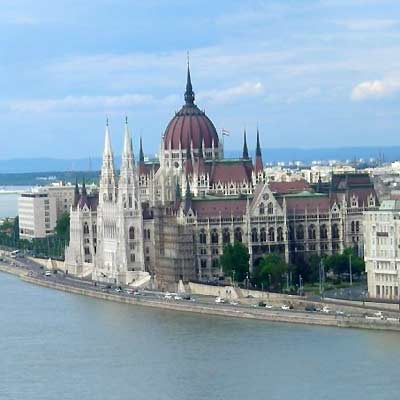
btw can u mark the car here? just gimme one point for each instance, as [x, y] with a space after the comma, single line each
[269, 306]
[326, 310]
[47, 273]
[285, 307]
[339, 312]
[177, 297]
[262, 304]
[310, 308]
[219, 300]
[118, 289]
[233, 303]
[129, 291]
[168, 296]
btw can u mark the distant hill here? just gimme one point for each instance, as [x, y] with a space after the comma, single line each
[269, 155]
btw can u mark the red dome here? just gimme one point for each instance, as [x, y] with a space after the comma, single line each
[190, 125]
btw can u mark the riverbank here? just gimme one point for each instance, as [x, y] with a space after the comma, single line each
[210, 309]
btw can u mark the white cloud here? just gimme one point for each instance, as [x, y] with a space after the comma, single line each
[374, 89]
[87, 103]
[373, 24]
[245, 89]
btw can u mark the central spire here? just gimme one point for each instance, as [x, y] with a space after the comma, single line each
[189, 94]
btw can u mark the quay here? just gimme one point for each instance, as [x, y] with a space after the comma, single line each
[86, 288]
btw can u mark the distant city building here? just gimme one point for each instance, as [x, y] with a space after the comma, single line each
[171, 217]
[37, 215]
[382, 250]
[40, 209]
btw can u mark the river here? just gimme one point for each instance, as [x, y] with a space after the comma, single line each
[59, 345]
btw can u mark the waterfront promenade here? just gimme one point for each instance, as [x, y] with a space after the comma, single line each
[354, 317]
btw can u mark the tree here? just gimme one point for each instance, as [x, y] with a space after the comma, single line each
[270, 271]
[235, 258]
[340, 263]
[62, 227]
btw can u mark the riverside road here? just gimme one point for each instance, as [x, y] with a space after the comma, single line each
[336, 315]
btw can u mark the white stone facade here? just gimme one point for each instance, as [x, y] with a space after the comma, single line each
[382, 250]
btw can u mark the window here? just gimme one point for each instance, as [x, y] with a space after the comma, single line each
[300, 232]
[214, 237]
[238, 235]
[270, 208]
[279, 234]
[85, 228]
[311, 232]
[263, 235]
[132, 257]
[357, 226]
[254, 235]
[335, 231]
[323, 232]
[271, 234]
[226, 236]
[353, 228]
[262, 209]
[202, 237]
[131, 233]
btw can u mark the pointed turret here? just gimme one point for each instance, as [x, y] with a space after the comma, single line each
[189, 94]
[141, 159]
[245, 149]
[107, 180]
[83, 200]
[259, 164]
[127, 152]
[76, 193]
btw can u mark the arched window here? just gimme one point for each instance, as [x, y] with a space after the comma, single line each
[262, 209]
[202, 237]
[271, 234]
[238, 235]
[323, 232]
[300, 232]
[263, 235]
[312, 235]
[85, 228]
[353, 228]
[132, 257]
[131, 233]
[254, 235]
[130, 201]
[94, 229]
[279, 234]
[214, 237]
[357, 226]
[270, 208]
[335, 231]
[226, 236]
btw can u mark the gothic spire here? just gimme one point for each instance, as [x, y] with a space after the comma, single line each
[259, 164]
[141, 154]
[258, 149]
[127, 151]
[245, 149]
[189, 94]
[84, 192]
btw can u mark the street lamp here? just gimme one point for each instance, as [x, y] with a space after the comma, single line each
[233, 277]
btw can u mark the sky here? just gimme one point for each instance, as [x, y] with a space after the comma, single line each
[308, 73]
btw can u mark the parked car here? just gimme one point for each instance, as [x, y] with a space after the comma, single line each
[47, 273]
[219, 300]
[285, 307]
[310, 308]
[326, 310]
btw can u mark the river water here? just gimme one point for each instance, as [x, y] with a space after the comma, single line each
[56, 345]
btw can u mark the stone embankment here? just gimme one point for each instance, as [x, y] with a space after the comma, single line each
[213, 309]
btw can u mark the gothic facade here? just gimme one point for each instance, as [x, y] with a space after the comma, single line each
[170, 218]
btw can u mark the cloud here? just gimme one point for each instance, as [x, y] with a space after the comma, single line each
[368, 24]
[245, 89]
[87, 103]
[374, 89]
